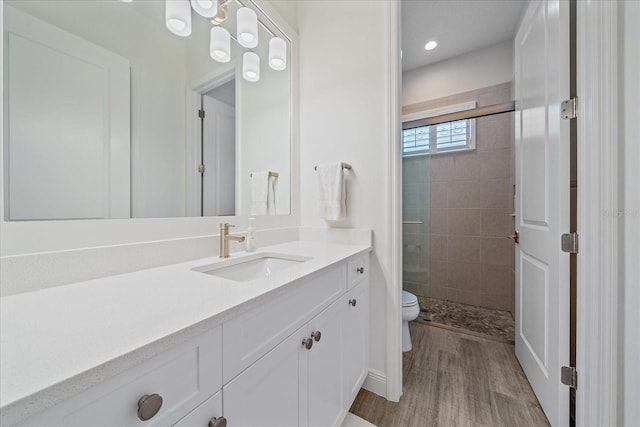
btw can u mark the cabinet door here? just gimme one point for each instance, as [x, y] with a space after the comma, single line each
[325, 397]
[355, 340]
[203, 414]
[267, 393]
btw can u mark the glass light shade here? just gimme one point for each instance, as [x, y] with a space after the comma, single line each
[247, 27]
[277, 54]
[206, 8]
[220, 44]
[251, 67]
[178, 17]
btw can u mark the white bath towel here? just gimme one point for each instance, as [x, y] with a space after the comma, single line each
[331, 192]
[263, 193]
[271, 195]
[259, 192]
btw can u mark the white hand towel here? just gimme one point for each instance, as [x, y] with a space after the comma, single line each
[331, 192]
[259, 193]
[271, 195]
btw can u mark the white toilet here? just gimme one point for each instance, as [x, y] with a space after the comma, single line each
[410, 310]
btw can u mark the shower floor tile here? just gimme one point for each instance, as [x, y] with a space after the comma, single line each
[480, 320]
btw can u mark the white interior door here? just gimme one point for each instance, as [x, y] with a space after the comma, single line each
[67, 154]
[219, 158]
[542, 202]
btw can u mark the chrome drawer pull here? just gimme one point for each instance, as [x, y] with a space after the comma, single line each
[308, 343]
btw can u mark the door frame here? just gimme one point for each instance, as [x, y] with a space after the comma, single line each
[194, 134]
[598, 187]
[394, 296]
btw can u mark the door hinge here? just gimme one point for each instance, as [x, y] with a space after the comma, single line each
[201, 168]
[570, 243]
[201, 114]
[569, 376]
[569, 108]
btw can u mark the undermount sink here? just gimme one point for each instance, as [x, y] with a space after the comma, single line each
[259, 266]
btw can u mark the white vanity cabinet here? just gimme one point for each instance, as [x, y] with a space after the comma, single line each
[297, 359]
[312, 377]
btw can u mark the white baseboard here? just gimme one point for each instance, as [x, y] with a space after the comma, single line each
[376, 382]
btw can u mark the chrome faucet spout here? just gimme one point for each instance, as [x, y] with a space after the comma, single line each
[225, 237]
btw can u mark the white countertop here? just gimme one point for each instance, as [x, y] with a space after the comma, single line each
[58, 342]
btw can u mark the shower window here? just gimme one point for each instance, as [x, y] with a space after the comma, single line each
[416, 140]
[457, 135]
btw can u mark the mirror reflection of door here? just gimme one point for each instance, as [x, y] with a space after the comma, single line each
[218, 151]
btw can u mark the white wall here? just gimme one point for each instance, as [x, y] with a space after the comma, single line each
[287, 9]
[630, 230]
[346, 115]
[482, 68]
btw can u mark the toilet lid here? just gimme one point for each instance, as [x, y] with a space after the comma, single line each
[408, 299]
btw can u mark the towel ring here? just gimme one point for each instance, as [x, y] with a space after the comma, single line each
[346, 166]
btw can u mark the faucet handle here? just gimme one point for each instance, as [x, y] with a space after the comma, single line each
[225, 226]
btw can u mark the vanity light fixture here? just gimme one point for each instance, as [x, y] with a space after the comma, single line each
[431, 45]
[247, 27]
[178, 21]
[178, 17]
[220, 47]
[206, 8]
[277, 54]
[251, 67]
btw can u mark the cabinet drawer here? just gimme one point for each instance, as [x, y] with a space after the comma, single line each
[251, 335]
[204, 413]
[357, 270]
[183, 376]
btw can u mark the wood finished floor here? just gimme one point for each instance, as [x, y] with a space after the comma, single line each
[453, 379]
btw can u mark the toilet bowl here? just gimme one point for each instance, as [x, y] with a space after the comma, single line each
[410, 311]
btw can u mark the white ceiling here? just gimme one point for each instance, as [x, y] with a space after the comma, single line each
[459, 26]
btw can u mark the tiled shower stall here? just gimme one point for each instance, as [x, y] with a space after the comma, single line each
[458, 211]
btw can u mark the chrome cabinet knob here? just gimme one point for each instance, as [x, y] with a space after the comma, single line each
[148, 406]
[353, 302]
[218, 422]
[316, 335]
[308, 343]
[360, 270]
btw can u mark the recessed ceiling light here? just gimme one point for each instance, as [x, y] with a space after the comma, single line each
[430, 45]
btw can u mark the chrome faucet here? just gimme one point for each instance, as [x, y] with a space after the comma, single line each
[225, 237]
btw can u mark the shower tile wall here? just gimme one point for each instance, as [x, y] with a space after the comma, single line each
[469, 211]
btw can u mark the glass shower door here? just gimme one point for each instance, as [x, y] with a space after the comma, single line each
[415, 226]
